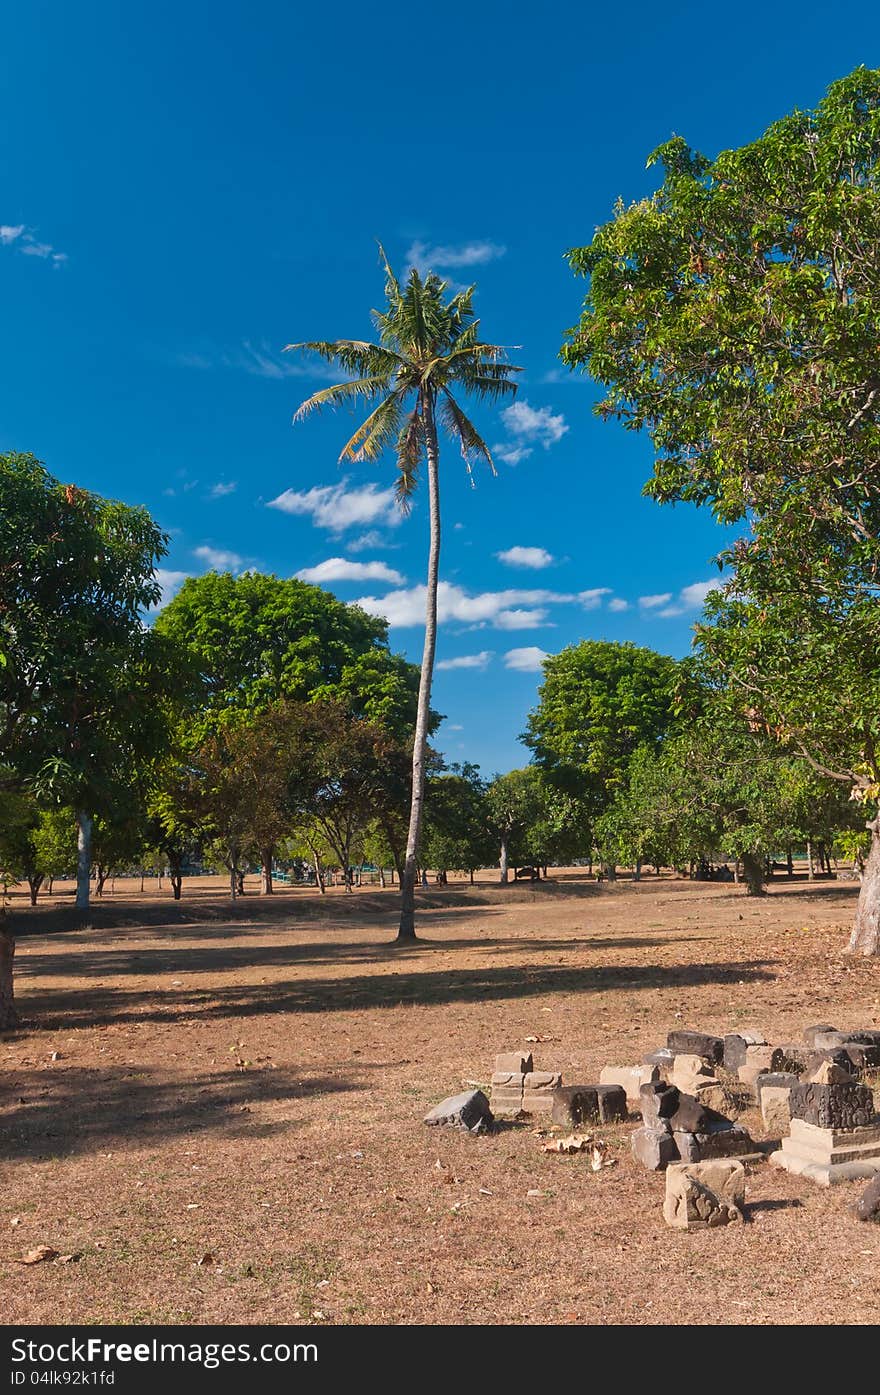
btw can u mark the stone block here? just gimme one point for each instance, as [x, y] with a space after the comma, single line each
[810, 1033]
[701, 1196]
[730, 1142]
[734, 1052]
[541, 1080]
[469, 1110]
[658, 1102]
[574, 1105]
[631, 1078]
[841, 1106]
[684, 1041]
[713, 1094]
[830, 1055]
[829, 1156]
[868, 1205]
[693, 1116]
[687, 1069]
[862, 1055]
[757, 1061]
[791, 1058]
[775, 1110]
[828, 1040]
[517, 1062]
[654, 1148]
[663, 1057]
[612, 1103]
[829, 1073]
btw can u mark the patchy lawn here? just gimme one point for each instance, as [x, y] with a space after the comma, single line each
[220, 1113]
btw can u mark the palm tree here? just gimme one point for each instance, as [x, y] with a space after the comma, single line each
[426, 345]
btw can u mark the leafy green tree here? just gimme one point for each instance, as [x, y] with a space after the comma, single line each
[427, 346]
[732, 315]
[80, 676]
[514, 802]
[457, 836]
[253, 640]
[54, 841]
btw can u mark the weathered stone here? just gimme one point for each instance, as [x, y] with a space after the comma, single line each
[574, 1105]
[688, 1148]
[776, 1080]
[828, 1073]
[658, 1102]
[714, 1095]
[469, 1110]
[692, 1116]
[682, 1040]
[775, 1110]
[507, 1093]
[757, 1062]
[791, 1058]
[537, 1102]
[654, 1148]
[662, 1057]
[734, 1052]
[631, 1078]
[542, 1080]
[753, 1036]
[810, 1033]
[701, 1196]
[829, 1155]
[828, 1040]
[830, 1055]
[687, 1069]
[849, 1106]
[732, 1141]
[868, 1205]
[517, 1062]
[862, 1055]
[612, 1103]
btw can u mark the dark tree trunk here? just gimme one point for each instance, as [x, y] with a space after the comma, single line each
[83, 859]
[8, 1015]
[789, 863]
[865, 937]
[34, 884]
[176, 883]
[407, 928]
[266, 887]
[753, 873]
[239, 877]
[319, 876]
[472, 875]
[609, 871]
[101, 875]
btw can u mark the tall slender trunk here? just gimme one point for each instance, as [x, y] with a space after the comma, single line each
[811, 871]
[407, 929]
[789, 863]
[266, 887]
[382, 877]
[503, 863]
[8, 1015]
[83, 859]
[865, 937]
[319, 877]
[753, 873]
[34, 884]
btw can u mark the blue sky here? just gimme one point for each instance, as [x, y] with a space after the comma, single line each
[187, 188]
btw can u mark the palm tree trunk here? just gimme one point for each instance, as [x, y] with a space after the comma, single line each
[407, 930]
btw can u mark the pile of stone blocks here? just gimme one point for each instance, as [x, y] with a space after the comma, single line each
[700, 1196]
[834, 1132]
[679, 1127]
[854, 1051]
[631, 1079]
[517, 1088]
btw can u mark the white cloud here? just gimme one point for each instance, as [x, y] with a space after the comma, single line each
[480, 661]
[618, 605]
[407, 608]
[222, 488]
[336, 507]
[17, 236]
[528, 660]
[217, 560]
[512, 455]
[372, 538]
[520, 619]
[538, 425]
[427, 257]
[456, 726]
[261, 360]
[341, 569]
[691, 597]
[534, 557]
[651, 602]
[171, 583]
[591, 600]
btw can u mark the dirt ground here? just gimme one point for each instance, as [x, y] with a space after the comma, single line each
[218, 1112]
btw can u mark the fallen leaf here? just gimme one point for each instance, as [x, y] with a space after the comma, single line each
[543, 1036]
[572, 1143]
[16, 1220]
[536, 1191]
[68, 1259]
[39, 1255]
[206, 1259]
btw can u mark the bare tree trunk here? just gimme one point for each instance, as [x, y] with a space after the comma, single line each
[789, 864]
[8, 1015]
[865, 937]
[83, 859]
[266, 887]
[176, 882]
[34, 884]
[407, 929]
[753, 873]
[811, 871]
[502, 862]
[382, 878]
[319, 878]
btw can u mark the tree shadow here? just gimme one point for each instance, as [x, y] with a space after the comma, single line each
[60, 1113]
[67, 1007]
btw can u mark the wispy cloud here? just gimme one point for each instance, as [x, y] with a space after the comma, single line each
[501, 609]
[511, 455]
[535, 558]
[343, 569]
[426, 256]
[369, 541]
[222, 488]
[591, 600]
[261, 360]
[538, 425]
[527, 660]
[652, 602]
[19, 237]
[218, 560]
[689, 598]
[480, 661]
[617, 604]
[337, 507]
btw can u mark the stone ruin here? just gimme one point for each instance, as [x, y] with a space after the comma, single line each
[678, 1127]
[834, 1134]
[700, 1196]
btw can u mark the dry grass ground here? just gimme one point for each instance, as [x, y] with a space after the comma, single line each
[251, 1088]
